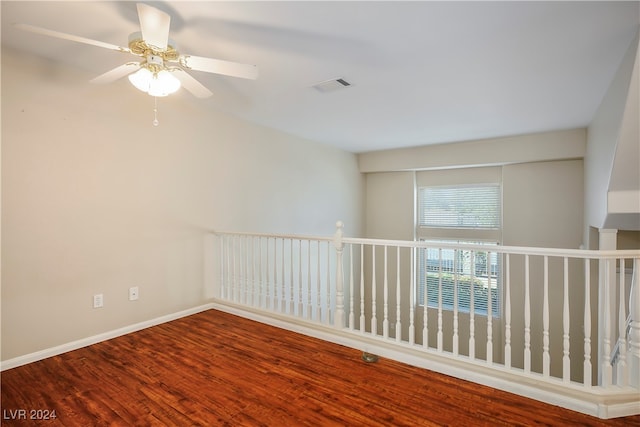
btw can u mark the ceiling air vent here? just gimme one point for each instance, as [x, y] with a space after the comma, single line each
[331, 85]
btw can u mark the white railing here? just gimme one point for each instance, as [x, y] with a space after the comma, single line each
[557, 319]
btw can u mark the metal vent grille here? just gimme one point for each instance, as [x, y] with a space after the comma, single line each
[331, 85]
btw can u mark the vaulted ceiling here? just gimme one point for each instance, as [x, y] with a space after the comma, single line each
[419, 72]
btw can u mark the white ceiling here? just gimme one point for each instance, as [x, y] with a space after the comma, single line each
[421, 72]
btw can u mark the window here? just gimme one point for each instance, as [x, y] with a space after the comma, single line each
[462, 273]
[461, 214]
[471, 206]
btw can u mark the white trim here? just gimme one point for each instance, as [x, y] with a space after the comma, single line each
[84, 342]
[616, 410]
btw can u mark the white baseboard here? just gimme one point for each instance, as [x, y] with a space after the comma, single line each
[84, 342]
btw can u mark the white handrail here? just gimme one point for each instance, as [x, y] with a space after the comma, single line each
[519, 250]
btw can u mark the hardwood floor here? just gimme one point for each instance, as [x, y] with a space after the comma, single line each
[216, 369]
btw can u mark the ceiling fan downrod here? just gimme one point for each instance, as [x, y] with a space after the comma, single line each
[155, 111]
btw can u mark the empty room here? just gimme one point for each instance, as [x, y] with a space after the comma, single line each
[320, 213]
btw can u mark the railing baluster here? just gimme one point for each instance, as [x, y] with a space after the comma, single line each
[291, 307]
[634, 325]
[398, 297]
[622, 378]
[489, 312]
[309, 286]
[606, 341]
[328, 302]
[269, 291]
[318, 288]
[276, 298]
[425, 302]
[374, 320]
[283, 285]
[352, 318]
[439, 333]
[566, 361]
[261, 281]
[244, 298]
[240, 266]
[244, 247]
[253, 265]
[231, 273]
[527, 318]
[338, 318]
[236, 275]
[507, 312]
[412, 287]
[587, 376]
[223, 267]
[362, 315]
[546, 359]
[456, 337]
[472, 310]
[300, 281]
[385, 306]
[249, 269]
[237, 293]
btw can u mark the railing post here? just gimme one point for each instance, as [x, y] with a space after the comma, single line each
[339, 319]
[606, 299]
[634, 332]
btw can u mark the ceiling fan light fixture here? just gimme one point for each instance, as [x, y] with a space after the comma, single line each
[159, 84]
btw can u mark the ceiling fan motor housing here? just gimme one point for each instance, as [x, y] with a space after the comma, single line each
[154, 63]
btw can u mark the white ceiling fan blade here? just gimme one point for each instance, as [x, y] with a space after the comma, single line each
[65, 36]
[191, 84]
[117, 73]
[154, 25]
[218, 66]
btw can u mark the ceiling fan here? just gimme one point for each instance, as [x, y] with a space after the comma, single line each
[161, 70]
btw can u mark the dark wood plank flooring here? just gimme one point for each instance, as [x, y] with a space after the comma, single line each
[216, 369]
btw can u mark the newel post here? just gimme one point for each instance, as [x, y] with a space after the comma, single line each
[606, 303]
[634, 326]
[339, 320]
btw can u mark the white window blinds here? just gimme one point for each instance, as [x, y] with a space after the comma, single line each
[462, 206]
[469, 275]
[459, 208]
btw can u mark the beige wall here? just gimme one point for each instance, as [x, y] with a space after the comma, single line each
[539, 147]
[96, 200]
[542, 204]
[388, 194]
[543, 207]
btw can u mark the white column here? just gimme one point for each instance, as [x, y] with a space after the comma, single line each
[607, 241]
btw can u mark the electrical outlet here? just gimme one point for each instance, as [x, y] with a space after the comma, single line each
[133, 293]
[98, 301]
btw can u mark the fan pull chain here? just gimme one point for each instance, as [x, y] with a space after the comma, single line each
[155, 111]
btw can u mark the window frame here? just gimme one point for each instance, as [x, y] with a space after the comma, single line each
[492, 236]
